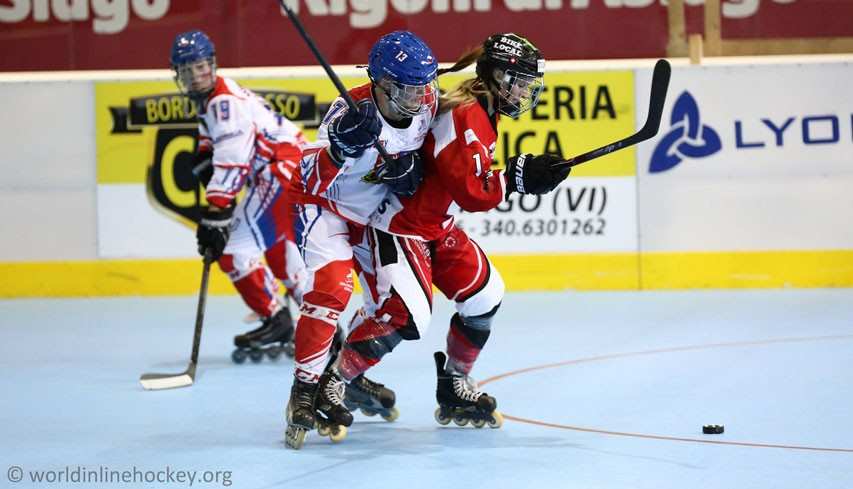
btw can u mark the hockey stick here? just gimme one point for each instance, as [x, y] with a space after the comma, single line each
[187, 377]
[331, 73]
[660, 83]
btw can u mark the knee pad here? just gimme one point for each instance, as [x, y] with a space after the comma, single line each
[486, 301]
[483, 322]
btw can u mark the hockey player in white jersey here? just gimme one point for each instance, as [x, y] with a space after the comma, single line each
[250, 146]
[340, 183]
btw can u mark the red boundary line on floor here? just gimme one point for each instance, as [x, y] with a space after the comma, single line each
[667, 350]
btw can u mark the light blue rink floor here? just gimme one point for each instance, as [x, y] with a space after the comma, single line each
[602, 390]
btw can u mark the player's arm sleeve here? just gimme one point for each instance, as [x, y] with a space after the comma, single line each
[464, 168]
[232, 134]
[288, 150]
[323, 168]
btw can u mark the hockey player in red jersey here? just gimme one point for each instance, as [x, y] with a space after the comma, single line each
[249, 146]
[415, 242]
[339, 185]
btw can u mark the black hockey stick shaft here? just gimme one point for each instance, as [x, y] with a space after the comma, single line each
[202, 302]
[329, 71]
[657, 99]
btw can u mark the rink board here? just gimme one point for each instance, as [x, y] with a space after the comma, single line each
[746, 184]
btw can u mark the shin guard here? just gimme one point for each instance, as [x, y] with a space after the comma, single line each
[466, 338]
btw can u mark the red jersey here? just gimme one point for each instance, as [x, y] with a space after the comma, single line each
[458, 153]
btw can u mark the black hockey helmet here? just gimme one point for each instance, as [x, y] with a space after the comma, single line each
[522, 70]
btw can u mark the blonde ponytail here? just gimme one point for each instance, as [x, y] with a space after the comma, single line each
[468, 90]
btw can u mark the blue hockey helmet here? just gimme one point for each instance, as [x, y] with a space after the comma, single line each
[404, 66]
[404, 58]
[193, 58]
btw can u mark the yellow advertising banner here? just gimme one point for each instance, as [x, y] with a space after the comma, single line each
[578, 111]
[146, 136]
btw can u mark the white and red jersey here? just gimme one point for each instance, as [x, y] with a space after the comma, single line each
[245, 135]
[457, 155]
[350, 189]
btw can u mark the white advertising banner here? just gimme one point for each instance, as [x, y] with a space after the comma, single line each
[584, 214]
[750, 158]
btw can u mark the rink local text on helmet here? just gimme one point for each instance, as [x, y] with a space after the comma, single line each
[193, 59]
[513, 69]
[403, 66]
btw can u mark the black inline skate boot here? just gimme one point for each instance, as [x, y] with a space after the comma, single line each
[459, 402]
[371, 398]
[332, 416]
[273, 337]
[300, 413]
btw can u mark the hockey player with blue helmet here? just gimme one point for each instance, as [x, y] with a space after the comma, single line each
[403, 69]
[247, 146]
[341, 183]
[193, 59]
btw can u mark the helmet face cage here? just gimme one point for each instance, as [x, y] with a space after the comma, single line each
[196, 78]
[518, 92]
[411, 100]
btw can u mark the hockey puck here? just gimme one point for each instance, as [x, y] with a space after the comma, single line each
[713, 429]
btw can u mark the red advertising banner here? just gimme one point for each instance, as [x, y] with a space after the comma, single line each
[126, 34]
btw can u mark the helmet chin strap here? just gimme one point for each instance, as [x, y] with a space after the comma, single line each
[494, 96]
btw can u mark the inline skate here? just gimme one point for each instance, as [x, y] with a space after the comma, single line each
[317, 406]
[300, 413]
[371, 398]
[272, 338]
[461, 403]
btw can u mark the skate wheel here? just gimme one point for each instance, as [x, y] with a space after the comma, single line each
[392, 415]
[323, 430]
[289, 349]
[497, 420]
[338, 434]
[294, 437]
[238, 356]
[256, 356]
[478, 423]
[460, 420]
[442, 420]
[368, 412]
[274, 353]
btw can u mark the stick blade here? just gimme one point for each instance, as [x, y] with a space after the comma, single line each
[155, 382]
[657, 99]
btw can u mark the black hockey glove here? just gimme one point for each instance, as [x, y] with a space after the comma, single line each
[354, 132]
[528, 174]
[203, 167]
[213, 231]
[403, 173]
